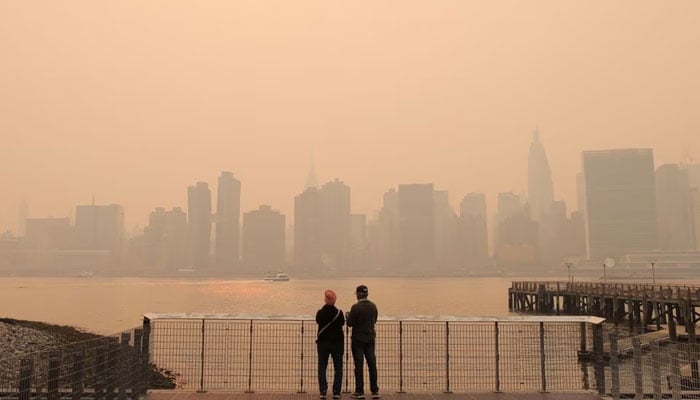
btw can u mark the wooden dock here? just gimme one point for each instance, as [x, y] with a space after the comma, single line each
[637, 304]
[626, 349]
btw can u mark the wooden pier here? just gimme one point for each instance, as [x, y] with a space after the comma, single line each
[636, 304]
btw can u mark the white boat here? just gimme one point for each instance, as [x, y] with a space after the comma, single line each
[278, 277]
[86, 274]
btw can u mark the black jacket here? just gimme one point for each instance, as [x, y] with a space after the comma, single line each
[334, 333]
[362, 317]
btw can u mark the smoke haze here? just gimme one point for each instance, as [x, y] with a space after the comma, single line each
[134, 101]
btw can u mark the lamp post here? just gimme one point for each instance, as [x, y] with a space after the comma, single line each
[605, 276]
[607, 263]
[653, 273]
[570, 276]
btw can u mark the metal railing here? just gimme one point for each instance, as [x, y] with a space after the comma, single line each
[208, 352]
[649, 369]
[111, 367]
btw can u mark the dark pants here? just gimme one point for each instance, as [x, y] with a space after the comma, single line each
[335, 350]
[360, 351]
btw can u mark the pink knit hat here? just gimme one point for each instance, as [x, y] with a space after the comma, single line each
[330, 297]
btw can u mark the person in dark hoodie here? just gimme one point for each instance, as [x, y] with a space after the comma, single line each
[329, 341]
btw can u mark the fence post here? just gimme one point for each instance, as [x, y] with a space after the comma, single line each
[447, 357]
[124, 364]
[656, 369]
[301, 361]
[201, 360]
[78, 374]
[614, 367]
[138, 361]
[100, 369]
[146, 355]
[400, 358]
[112, 373]
[638, 383]
[26, 367]
[53, 374]
[250, 359]
[675, 372]
[542, 360]
[498, 357]
[599, 365]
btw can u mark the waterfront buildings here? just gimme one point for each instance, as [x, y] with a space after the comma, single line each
[99, 227]
[165, 240]
[228, 211]
[517, 235]
[416, 228]
[673, 204]
[334, 208]
[472, 231]
[47, 233]
[307, 231]
[263, 240]
[322, 227]
[198, 225]
[620, 202]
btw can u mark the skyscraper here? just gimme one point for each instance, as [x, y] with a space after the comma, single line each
[620, 202]
[473, 235]
[417, 228]
[334, 207]
[263, 240]
[540, 192]
[517, 238]
[165, 239]
[198, 224]
[228, 211]
[673, 208]
[385, 243]
[445, 231]
[307, 231]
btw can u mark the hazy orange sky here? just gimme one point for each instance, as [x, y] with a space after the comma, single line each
[135, 100]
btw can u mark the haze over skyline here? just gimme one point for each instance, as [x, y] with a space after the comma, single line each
[136, 101]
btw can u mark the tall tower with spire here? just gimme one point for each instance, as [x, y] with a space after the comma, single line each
[311, 179]
[540, 192]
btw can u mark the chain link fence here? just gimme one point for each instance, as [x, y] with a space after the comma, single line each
[228, 353]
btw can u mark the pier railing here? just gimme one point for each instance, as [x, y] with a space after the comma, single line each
[691, 292]
[210, 352]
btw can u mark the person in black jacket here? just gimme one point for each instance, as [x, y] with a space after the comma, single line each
[329, 341]
[362, 317]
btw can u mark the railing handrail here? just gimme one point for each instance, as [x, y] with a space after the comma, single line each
[419, 318]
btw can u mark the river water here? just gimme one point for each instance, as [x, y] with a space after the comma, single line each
[108, 305]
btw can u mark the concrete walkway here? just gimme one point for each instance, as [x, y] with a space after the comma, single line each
[182, 395]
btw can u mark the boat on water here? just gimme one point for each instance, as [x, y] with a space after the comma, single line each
[278, 277]
[86, 274]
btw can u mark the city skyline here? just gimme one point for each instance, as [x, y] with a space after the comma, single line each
[24, 208]
[135, 106]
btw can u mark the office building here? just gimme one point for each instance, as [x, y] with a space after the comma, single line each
[620, 202]
[263, 240]
[99, 227]
[198, 225]
[228, 211]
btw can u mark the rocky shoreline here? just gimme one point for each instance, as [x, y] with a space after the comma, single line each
[19, 337]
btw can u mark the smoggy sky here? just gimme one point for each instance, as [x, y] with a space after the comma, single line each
[135, 100]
